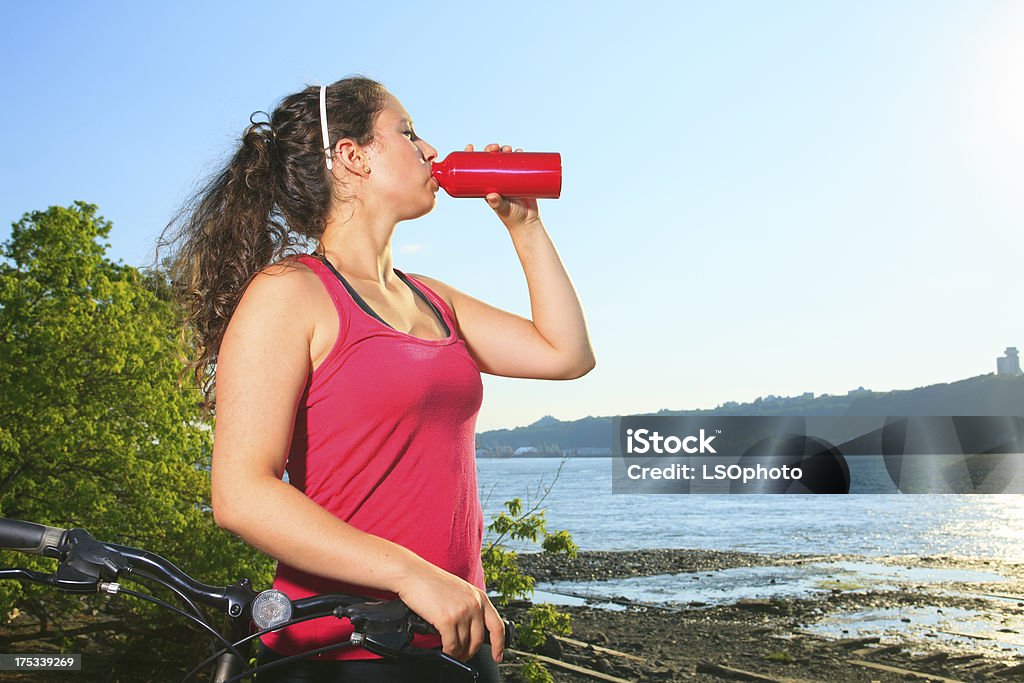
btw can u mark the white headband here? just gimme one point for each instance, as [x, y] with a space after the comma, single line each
[323, 127]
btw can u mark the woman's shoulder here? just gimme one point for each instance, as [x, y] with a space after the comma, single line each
[285, 286]
[284, 309]
[289, 276]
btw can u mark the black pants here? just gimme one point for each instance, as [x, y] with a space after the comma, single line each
[375, 670]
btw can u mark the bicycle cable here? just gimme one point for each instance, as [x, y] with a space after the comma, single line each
[157, 601]
[156, 579]
[184, 598]
[209, 660]
[290, 658]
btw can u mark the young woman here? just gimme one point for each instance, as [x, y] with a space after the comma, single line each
[361, 382]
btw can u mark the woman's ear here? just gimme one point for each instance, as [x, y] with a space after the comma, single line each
[352, 156]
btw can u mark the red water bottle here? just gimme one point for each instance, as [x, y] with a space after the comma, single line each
[510, 174]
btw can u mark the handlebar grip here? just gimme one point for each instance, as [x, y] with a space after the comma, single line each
[421, 625]
[29, 537]
[510, 633]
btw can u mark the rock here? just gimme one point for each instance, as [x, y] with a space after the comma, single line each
[757, 605]
[552, 647]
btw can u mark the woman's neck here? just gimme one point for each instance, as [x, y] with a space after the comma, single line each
[359, 248]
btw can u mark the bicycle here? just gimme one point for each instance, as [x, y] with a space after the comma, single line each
[85, 565]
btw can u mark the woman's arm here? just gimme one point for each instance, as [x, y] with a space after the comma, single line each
[555, 343]
[262, 369]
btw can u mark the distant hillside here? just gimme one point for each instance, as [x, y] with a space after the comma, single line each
[548, 433]
[982, 395]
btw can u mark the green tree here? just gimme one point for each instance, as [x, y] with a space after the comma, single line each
[98, 428]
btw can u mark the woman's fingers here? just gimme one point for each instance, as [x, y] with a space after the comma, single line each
[498, 203]
[449, 637]
[469, 633]
[463, 623]
[495, 147]
[461, 645]
[477, 629]
[496, 627]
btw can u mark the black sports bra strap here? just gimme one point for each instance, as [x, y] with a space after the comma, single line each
[366, 307]
[426, 299]
[353, 293]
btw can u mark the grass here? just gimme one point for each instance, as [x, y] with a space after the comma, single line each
[779, 656]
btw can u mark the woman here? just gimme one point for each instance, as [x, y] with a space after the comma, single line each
[359, 381]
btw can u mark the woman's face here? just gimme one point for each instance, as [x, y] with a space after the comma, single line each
[400, 164]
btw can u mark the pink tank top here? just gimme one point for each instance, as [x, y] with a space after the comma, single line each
[384, 439]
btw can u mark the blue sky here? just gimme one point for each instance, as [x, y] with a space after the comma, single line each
[759, 198]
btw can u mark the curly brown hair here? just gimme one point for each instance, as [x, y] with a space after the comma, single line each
[270, 201]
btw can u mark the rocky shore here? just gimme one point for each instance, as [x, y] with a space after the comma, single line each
[690, 615]
[877, 619]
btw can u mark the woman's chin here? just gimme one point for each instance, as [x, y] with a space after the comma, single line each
[423, 211]
[431, 205]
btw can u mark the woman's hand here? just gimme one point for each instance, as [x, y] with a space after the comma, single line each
[457, 609]
[512, 212]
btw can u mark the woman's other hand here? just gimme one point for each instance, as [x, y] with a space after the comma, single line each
[457, 609]
[513, 212]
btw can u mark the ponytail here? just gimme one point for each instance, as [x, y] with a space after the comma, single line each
[269, 202]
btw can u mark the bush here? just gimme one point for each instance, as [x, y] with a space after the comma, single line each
[504, 576]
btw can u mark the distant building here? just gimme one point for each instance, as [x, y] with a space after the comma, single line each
[1009, 364]
[589, 452]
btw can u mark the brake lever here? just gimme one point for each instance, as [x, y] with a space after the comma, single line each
[395, 645]
[386, 629]
[86, 563]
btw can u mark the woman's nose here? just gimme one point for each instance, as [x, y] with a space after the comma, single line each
[429, 153]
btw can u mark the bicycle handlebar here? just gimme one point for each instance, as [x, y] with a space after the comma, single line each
[89, 566]
[28, 537]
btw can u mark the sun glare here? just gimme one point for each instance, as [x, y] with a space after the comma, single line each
[996, 86]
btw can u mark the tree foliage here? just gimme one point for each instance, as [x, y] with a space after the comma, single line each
[501, 570]
[97, 427]
[542, 619]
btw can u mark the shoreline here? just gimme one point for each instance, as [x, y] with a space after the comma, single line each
[853, 618]
[612, 564]
[934, 617]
